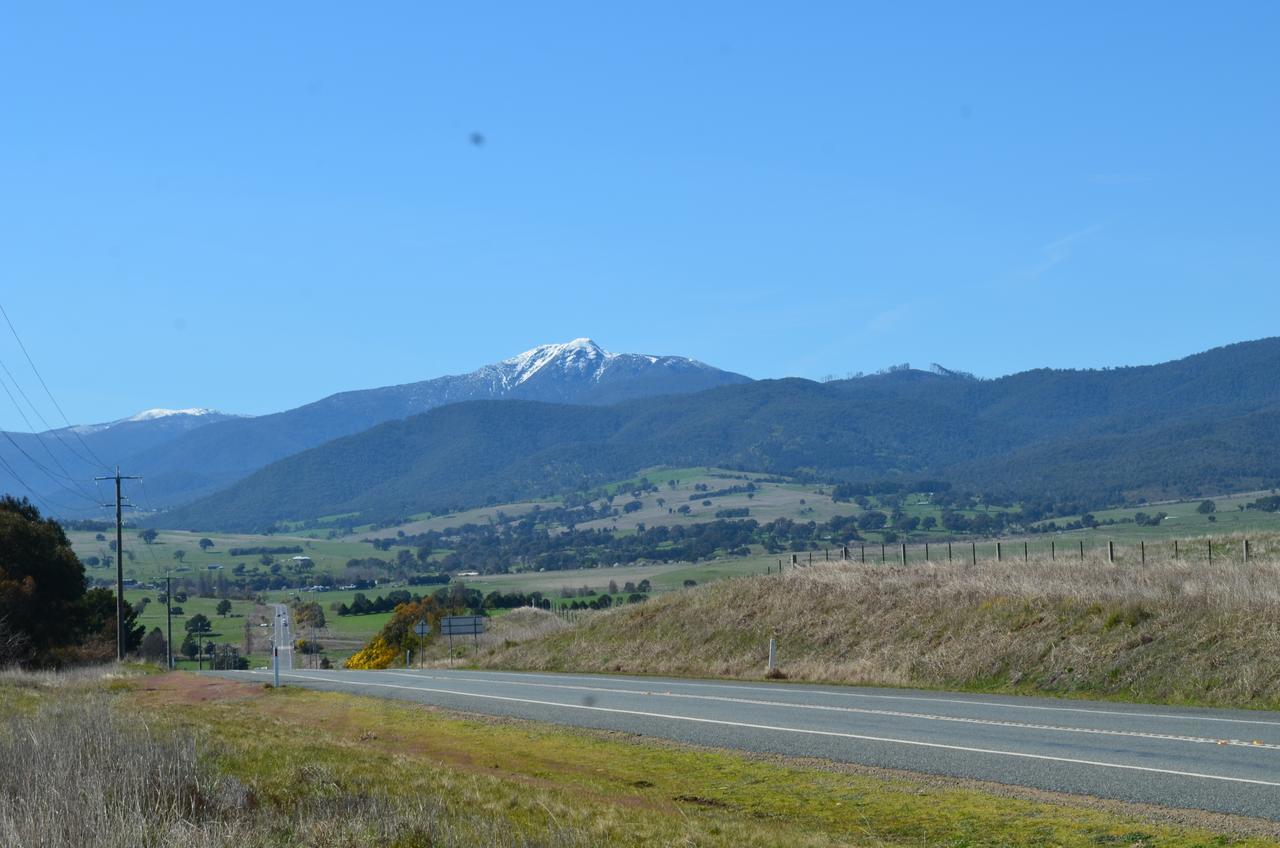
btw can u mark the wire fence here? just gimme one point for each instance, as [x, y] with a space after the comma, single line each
[1209, 550]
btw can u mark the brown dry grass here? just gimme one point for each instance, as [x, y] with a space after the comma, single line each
[1168, 631]
[78, 767]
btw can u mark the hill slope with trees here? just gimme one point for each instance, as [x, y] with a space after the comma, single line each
[1208, 422]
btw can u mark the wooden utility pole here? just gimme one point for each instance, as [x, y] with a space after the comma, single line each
[168, 615]
[120, 505]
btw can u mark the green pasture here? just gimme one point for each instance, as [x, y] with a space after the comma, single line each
[154, 561]
[227, 629]
[1184, 521]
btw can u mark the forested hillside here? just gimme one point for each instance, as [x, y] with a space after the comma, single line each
[1208, 422]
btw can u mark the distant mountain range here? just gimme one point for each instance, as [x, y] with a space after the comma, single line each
[1209, 422]
[185, 454]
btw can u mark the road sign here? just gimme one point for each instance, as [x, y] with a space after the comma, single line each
[422, 629]
[462, 625]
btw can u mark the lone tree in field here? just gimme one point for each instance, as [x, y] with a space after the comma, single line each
[1207, 507]
[206, 544]
[199, 623]
[179, 554]
[224, 607]
[149, 535]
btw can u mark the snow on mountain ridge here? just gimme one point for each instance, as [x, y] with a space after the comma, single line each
[145, 415]
[152, 414]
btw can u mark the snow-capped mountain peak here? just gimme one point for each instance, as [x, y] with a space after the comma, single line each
[581, 356]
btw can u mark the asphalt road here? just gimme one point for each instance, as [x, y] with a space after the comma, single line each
[1221, 760]
[283, 636]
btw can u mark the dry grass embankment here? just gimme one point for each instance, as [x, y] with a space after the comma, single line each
[1173, 631]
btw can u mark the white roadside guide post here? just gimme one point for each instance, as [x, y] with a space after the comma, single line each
[773, 653]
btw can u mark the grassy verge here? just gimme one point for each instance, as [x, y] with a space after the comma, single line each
[292, 767]
[596, 789]
[1175, 632]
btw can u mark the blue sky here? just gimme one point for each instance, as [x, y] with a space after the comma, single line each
[251, 206]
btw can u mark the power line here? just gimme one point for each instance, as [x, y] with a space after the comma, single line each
[66, 475]
[44, 499]
[47, 426]
[56, 406]
[50, 474]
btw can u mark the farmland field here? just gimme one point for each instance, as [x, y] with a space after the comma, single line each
[212, 570]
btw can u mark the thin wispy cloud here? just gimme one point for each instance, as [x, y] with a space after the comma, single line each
[1059, 251]
[889, 319]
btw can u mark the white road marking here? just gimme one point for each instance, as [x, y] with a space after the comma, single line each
[868, 696]
[1167, 737]
[800, 730]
